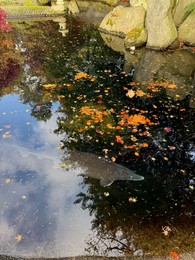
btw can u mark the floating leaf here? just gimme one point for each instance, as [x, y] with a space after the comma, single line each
[140, 93]
[86, 110]
[138, 119]
[81, 75]
[171, 86]
[145, 145]
[130, 93]
[49, 86]
[6, 135]
[109, 126]
[7, 180]
[19, 237]
[119, 139]
[113, 159]
[134, 130]
[132, 200]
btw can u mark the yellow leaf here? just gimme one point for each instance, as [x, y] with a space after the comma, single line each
[6, 135]
[19, 237]
[132, 199]
[87, 110]
[109, 126]
[130, 93]
[61, 96]
[140, 93]
[7, 180]
[145, 145]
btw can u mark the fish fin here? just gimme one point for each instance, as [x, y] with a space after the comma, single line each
[104, 182]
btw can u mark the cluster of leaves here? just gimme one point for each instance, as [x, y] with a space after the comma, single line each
[4, 26]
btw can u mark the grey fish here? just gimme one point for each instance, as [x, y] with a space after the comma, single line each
[88, 164]
[102, 169]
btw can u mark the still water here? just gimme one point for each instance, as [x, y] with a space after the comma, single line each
[72, 99]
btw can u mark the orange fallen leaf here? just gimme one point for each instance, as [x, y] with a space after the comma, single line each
[134, 130]
[136, 154]
[81, 75]
[171, 86]
[138, 119]
[140, 93]
[68, 85]
[129, 146]
[49, 86]
[174, 255]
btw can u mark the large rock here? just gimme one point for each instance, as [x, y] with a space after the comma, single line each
[186, 32]
[122, 20]
[180, 11]
[142, 3]
[159, 23]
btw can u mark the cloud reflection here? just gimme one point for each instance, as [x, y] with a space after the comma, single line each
[38, 202]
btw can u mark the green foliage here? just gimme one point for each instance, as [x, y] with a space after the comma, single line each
[188, 10]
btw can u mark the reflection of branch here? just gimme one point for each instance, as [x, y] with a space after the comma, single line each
[187, 138]
[120, 242]
[104, 243]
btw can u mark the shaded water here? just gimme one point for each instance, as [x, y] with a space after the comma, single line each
[84, 91]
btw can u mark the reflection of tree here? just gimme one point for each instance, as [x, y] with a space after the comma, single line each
[10, 67]
[9, 70]
[42, 111]
[124, 227]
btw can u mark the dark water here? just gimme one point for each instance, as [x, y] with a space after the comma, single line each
[86, 92]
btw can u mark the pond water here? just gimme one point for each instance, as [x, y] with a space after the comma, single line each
[72, 99]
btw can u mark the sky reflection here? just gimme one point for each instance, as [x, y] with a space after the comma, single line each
[36, 197]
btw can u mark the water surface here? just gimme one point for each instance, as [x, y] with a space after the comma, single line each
[87, 90]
